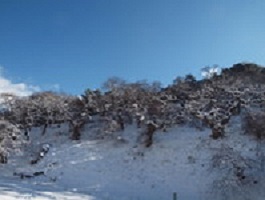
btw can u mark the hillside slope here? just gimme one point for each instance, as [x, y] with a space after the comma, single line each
[180, 160]
[139, 141]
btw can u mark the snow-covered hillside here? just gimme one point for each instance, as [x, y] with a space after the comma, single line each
[120, 168]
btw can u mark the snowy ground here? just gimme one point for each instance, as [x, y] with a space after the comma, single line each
[178, 161]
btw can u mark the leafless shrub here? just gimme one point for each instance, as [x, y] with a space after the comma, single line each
[253, 124]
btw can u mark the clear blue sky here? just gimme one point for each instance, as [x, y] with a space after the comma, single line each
[78, 44]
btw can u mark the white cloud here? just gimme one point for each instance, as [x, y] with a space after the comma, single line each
[19, 89]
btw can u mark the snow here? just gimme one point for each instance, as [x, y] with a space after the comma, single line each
[118, 167]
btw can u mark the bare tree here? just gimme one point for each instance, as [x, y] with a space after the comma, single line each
[113, 83]
[178, 80]
[208, 72]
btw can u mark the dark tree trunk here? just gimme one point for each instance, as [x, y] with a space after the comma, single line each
[76, 129]
[217, 133]
[44, 129]
[149, 134]
[121, 122]
[3, 158]
[76, 133]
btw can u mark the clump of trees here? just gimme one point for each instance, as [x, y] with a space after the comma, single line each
[41, 110]
[120, 103]
[36, 110]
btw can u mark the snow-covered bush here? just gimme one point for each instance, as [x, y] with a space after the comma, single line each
[253, 124]
[38, 109]
[208, 72]
[10, 139]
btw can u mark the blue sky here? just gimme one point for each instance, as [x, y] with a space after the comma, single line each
[78, 44]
